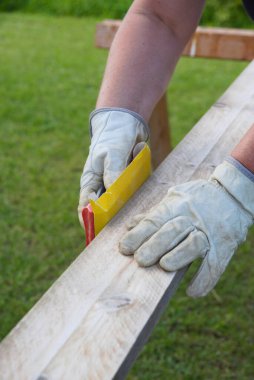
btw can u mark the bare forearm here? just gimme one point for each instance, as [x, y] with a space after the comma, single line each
[145, 51]
[244, 151]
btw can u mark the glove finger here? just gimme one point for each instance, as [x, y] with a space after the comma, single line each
[153, 221]
[194, 246]
[135, 220]
[167, 237]
[137, 149]
[90, 183]
[80, 208]
[208, 274]
[83, 201]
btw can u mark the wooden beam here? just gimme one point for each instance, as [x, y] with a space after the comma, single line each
[105, 33]
[93, 321]
[160, 138]
[221, 43]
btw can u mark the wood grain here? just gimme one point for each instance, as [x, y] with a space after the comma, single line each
[92, 322]
[222, 43]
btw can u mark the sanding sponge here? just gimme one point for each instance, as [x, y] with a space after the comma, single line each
[99, 212]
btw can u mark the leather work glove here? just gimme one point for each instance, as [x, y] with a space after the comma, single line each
[199, 219]
[116, 135]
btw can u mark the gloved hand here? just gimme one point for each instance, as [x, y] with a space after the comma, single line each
[198, 219]
[115, 132]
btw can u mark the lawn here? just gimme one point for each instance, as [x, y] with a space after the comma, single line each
[49, 78]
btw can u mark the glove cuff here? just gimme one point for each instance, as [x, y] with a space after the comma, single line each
[135, 115]
[240, 167]
[237, 183]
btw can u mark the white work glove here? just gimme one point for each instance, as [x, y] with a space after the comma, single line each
[116, 135]
[198, 219]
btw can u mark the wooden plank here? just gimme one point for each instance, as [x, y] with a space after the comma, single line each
[105, 33]
[221, 43]
[94, 319]
[160, 140]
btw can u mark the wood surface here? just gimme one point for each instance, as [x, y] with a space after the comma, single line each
[95, 318]
[223, 43]
[160, 132]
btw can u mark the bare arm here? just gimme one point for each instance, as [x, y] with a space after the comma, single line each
[145, 51]
[244, 151]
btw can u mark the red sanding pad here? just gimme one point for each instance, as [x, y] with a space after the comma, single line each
[88, 218]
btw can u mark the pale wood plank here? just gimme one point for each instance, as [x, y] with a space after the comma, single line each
[93, 320]
[206, 42]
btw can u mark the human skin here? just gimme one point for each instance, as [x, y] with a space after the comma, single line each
[143, 57]
[145, 51]
[244, 151]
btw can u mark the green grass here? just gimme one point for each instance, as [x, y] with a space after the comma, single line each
[49, 78]
[229, 13]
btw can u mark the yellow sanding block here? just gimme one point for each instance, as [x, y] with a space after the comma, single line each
[99, 212]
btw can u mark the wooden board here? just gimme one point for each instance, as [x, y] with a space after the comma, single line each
[221, 43]
[160, 139]
[93, 321]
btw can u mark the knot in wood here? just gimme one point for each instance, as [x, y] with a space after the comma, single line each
[115, 302]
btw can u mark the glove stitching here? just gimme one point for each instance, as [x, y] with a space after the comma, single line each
[240, 209]
[87, 183]
[138, 117]
[208, 241]
[177, 242]
[215, 182]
